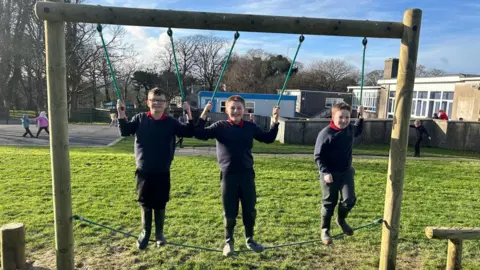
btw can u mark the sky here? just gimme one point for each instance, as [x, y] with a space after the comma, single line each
[449, 37]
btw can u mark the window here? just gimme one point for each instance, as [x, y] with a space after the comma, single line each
[329, 102]
[369, 100]
[222, 106]
[249, 106]
[435, 95]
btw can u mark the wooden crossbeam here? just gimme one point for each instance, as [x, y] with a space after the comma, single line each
[53, 11]
[452, 233]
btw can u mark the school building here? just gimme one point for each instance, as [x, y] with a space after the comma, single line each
[258, 104]
[458, 95]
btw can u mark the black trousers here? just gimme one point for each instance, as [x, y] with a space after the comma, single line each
[153, 189]
[42, 128]
[343, 184]
[238, 186]
[27, 131]
[417, 147]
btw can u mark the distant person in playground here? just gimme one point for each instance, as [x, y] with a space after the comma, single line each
[42, 123]
[155, 134]
[181, 120]
[333, 156]
[442, 115]
[420, 129]
[26, 125]
[114, 119]
[252, 118]
[237, 176]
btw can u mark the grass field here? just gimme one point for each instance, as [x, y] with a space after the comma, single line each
[126, 146]
[436, 193]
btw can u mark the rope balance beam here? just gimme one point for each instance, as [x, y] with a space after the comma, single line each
[51, 11]
[127, 234]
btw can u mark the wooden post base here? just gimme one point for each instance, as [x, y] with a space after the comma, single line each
[12, 242]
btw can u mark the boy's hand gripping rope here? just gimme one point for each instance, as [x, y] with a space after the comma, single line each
[112, 73]
[301, 39]
[235, 37]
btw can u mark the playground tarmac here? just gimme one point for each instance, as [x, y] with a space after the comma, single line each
[79, 135]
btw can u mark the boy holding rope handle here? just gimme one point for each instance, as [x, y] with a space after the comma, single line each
[237, 176]
[154, 151]
[333, 156]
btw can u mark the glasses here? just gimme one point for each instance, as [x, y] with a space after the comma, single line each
[157, 100]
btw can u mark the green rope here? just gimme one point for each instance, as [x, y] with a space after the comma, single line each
[364, 42]
[371, 224]
[235, 37]
[376, 222]
[112, 73]
[301, 39]
[170, 34]
[133, 236]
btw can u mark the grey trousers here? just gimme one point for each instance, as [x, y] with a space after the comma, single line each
[343, 184]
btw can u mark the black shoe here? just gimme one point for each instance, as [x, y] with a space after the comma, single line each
[159, 222]
[144, 236]
[252, 245]
[347, 230]
[326, 239]
[228, 249]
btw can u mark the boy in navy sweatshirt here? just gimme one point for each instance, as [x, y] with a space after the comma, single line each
[333, 156]
[237, 176]
[154, 150]
[420, 129]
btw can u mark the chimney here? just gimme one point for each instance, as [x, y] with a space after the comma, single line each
[391, 68]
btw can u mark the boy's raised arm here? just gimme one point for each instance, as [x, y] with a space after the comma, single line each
[200, 131]
[359, 123]
[185, 130]
[271, 135]
[126, 128]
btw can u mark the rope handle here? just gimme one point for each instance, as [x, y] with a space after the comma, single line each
[364, 43]
[300, 41]
[112, 73]
[235, 37]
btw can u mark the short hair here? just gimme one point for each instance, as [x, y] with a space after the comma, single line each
[417, 122]
[157, 92]
[236, 98]
[341, 106]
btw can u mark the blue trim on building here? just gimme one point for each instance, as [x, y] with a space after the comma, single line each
[245, 95]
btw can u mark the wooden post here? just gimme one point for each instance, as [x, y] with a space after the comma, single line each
[12, 241]
[454, 256]
[217, 21]
[399, 139]
[59, 145]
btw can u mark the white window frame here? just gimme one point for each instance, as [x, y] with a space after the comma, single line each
[428, 104]
[249, 107]
[369, 100]
[330, 101]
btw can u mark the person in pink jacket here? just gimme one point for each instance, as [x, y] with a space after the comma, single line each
[42, 122]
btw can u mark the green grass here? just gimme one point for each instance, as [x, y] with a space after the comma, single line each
[126, 145]
[436, 193]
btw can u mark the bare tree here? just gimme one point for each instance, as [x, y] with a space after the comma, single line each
[371, 78]
[210, 56]
[334, 70]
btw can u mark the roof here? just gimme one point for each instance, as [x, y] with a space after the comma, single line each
[438, 79]
[246, 95]
[313, 90]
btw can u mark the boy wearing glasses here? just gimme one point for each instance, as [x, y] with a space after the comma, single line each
[154, 151]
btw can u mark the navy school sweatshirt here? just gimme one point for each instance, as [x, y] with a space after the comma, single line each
[333, 148]
[154, 140]
[234, 142]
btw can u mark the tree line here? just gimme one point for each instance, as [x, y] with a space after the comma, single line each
[200, 60]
